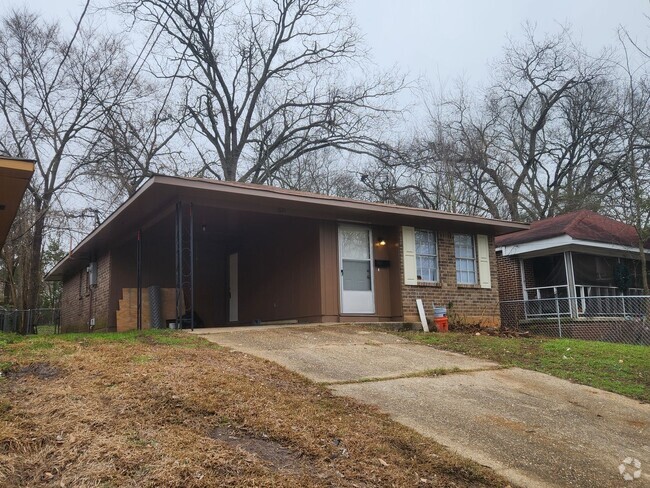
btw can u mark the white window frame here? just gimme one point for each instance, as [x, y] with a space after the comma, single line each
[472, 260]
[434, 256]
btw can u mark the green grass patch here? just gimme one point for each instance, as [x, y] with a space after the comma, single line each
[44, 346]
[10, 338]
[142, 358]
[46, 329]
[619, 368]
[148, 336]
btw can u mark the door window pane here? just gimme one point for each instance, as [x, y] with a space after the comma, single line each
[356, 275]
[355, 244]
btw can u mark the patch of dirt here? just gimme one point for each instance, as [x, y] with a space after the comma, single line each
[40, 370]
[637, 423]
[474, 329]
[280, 457]
[510, 424]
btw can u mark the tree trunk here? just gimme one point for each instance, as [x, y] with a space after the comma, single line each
[34, 274]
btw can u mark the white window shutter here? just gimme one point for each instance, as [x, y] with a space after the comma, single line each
[408, 252]
[483, 261]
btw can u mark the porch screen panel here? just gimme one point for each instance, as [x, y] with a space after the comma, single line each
[594, 270]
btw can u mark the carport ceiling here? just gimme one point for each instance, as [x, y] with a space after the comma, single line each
[14, 178]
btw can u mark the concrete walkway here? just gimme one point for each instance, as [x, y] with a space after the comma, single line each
[534, 429]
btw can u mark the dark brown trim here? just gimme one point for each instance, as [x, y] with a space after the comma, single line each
[160, 190]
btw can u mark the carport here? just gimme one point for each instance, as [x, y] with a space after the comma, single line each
[226, 254]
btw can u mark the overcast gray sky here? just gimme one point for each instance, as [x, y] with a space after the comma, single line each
[450, 39]
[447, 39]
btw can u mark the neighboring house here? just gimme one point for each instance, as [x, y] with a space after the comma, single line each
[231, 253]
[14, 178]
[582, 259]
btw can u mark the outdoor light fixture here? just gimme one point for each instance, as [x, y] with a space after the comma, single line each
[204, 227]
[381, 241]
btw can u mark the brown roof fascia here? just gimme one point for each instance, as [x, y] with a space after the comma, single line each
[343, 203]
[267, 194]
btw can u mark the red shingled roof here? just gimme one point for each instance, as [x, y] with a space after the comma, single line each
[583, 224]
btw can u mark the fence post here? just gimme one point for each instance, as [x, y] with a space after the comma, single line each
[559, 318]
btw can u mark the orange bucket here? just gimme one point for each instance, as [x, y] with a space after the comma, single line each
[442, 324]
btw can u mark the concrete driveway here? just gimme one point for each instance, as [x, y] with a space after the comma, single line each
[534, 429]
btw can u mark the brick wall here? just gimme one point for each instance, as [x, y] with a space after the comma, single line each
[509, 273]
[465, 303]
[509, 270]
[80, 302]
[529, 274]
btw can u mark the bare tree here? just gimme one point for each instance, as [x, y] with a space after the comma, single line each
[15, 256]
[269, 82]
[53, 92]
[536, 127]
[538, 141]
[631, 203]
[136, 141]
[316, 173]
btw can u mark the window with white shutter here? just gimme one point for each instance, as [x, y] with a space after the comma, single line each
[408, 256]
[483, 249]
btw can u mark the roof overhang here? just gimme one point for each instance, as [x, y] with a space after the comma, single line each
[14, 178]
[564, 243]
[160, 193]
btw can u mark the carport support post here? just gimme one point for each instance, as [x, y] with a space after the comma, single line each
[138, 266]
[192, 265]
[184, 260]
[179, 261]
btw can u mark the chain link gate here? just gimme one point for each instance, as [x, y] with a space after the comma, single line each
[33, 321]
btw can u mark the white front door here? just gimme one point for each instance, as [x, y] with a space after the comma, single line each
[355, 263]
[233, 287]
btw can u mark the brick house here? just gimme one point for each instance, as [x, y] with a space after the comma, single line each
[210, 253]
[577, 265]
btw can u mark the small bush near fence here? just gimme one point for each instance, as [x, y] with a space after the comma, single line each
[36, 321]
[624, 319]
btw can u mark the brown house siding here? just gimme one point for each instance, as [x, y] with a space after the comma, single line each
[386, 280]
[300, 260]
[279, 275]
[465, 303]
[80, 302]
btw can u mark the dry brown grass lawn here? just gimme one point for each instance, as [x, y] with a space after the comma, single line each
[167, 409]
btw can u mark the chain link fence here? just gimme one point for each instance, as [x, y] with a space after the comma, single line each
[623, 319]
[35, 321]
